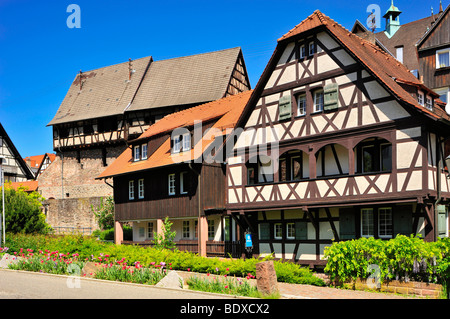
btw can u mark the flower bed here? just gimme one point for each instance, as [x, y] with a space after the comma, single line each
[90, 249]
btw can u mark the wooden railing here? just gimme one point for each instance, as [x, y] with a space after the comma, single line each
[213, 248]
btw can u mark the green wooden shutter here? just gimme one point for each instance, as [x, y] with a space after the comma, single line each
[301, 230]
[264, 231]
[347, 223]
[402, 220]
[442, 220]
[285, 107]
[330, 97]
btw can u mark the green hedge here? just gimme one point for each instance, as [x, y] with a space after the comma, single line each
[401, 258]
[89, 248]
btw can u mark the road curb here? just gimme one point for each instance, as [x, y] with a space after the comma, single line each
[129, 284]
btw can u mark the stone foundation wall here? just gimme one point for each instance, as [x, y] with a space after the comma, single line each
[73, 174]
[69, 214]
[421, 289]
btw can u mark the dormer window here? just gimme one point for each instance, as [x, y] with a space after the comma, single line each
[181, 143]
[137, 153]
[144, 151]
[429, 103]
[420, 98]
[140, 152]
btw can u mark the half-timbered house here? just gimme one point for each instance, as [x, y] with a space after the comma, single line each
[14, 167]
[176, 169]
[106, 108]
[336, 145]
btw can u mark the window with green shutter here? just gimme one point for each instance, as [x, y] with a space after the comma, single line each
[264, 231]
[442, 221]
[403, 220]
[331, 97]
[285, 107]
[301, 230]
[347, 228]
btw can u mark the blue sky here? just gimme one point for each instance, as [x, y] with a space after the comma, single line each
[40, 55]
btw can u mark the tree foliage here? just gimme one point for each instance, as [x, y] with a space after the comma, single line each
[104, 213]
[23, 213]
[166, 239]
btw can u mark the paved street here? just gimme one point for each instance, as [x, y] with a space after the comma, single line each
[28, 285]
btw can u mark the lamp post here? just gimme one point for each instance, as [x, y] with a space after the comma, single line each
[2, 176]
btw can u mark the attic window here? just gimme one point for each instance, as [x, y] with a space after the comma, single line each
[181, 143]
[443, 58]
[420, 98]
[429, 103]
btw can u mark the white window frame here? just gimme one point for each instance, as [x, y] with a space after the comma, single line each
[302, 51]
[399, 53]
[141, 188]
[276, 227]
[301, 111]
[438, 53]
[379, 223]
[186, 142]
[144, 149]
[429, 102]
[316, 93]
[137, 153]
[290, 228]
[177, 144]
[186, 230]
[182, 177]
[311, 48]
[131, 190]
[171, 184]
[421, 98]
[367, 235]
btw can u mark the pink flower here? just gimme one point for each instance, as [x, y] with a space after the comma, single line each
[226, 287]
[228, 269]
[189, 269]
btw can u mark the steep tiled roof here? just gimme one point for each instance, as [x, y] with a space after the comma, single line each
[382, 65]
[104, 92]
[224, 113]
[407, 36]
[28, 186]
[109, 91]
[186, 80]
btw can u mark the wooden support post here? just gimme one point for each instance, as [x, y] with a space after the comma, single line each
[118, 232]
[202, 235]
[159, 227]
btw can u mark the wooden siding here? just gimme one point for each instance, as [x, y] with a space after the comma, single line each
[433, 77]
[157, 203]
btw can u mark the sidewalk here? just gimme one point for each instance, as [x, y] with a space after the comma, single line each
[295, 291]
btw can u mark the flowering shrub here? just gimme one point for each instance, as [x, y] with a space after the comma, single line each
[98, 251]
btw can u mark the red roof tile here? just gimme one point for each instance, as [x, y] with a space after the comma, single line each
[382, 65]
[225, 112]
[28, 186]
